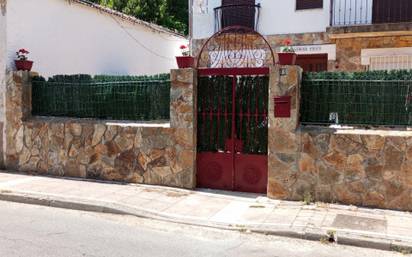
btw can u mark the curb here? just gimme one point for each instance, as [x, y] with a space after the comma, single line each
[311, 234]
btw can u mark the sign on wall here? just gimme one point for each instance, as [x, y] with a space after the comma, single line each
[329, 49]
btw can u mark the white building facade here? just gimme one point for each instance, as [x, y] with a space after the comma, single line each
[71, 37]
[327, 34]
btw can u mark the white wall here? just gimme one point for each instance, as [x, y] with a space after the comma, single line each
[70, 38]
[281, 16]
[204, 18]
[276, 17]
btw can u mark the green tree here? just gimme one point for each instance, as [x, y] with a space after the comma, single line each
[172, 14]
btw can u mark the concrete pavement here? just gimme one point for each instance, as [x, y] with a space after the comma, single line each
[372, 228]
[38, 231]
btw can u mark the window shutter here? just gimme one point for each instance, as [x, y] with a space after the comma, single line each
[308, 4]
[390, 11]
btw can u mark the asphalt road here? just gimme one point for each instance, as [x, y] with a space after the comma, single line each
[34, 231]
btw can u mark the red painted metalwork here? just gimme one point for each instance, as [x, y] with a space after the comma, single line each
[236, 47]
[233, 71]
[231, 166]
[185, 61]
[212, 170]
[232, 119]
[283, 106]
[251, 173]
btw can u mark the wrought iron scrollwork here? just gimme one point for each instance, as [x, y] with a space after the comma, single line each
[236, 47]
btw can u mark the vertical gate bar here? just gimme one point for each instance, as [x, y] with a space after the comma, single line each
[210, 113]
[256, 138]
[248, 124]
[246, 114]
[266, 112]
[226, 113]
[234, 80]
[240, 103]
[204, 113]
[261, 114]
[254, 114]
[218, 117]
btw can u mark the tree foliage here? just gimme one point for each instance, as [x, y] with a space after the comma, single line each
[172, 14]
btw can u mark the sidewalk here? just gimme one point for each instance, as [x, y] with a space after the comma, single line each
[380, 229]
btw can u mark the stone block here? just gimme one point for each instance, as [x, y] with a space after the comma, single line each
[277, 190]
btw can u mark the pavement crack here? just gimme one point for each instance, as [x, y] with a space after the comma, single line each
[55, 234]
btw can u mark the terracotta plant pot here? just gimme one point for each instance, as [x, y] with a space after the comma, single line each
[287, 58]
[23, 65]
[185, 61]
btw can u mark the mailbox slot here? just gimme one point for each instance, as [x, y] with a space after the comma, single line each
[282, 106]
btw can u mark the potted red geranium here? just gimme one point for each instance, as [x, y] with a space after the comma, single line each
[22, 62]
[184, 61]
[288, 55]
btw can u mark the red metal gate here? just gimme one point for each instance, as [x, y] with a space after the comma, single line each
[233, 129]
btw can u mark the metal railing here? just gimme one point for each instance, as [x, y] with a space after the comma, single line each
[237, 15]
[364, 12]
[351, 12]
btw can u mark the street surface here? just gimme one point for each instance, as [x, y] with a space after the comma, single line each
[35, 231]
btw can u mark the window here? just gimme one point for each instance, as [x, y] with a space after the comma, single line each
[308, 4]
[238, 13]
[395, 62]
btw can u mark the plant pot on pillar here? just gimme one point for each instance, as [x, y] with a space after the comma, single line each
[22, 63]
[185, 60]
[287, 56]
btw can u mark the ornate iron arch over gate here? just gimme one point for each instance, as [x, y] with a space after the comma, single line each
[233, 67]
[236, 47]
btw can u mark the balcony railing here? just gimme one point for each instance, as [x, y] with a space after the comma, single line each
[237, 15]
[364, 12]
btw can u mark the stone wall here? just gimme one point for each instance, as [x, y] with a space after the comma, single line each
[3, 58]
[348, 49]
[359, 167]
[369, 167]
[365, 167]
[162, 154]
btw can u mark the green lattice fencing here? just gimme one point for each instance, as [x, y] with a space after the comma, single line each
[140, 98]
[365, 98]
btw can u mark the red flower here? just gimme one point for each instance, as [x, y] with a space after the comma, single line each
[287, 42]
[182, 47]
[23, 51]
